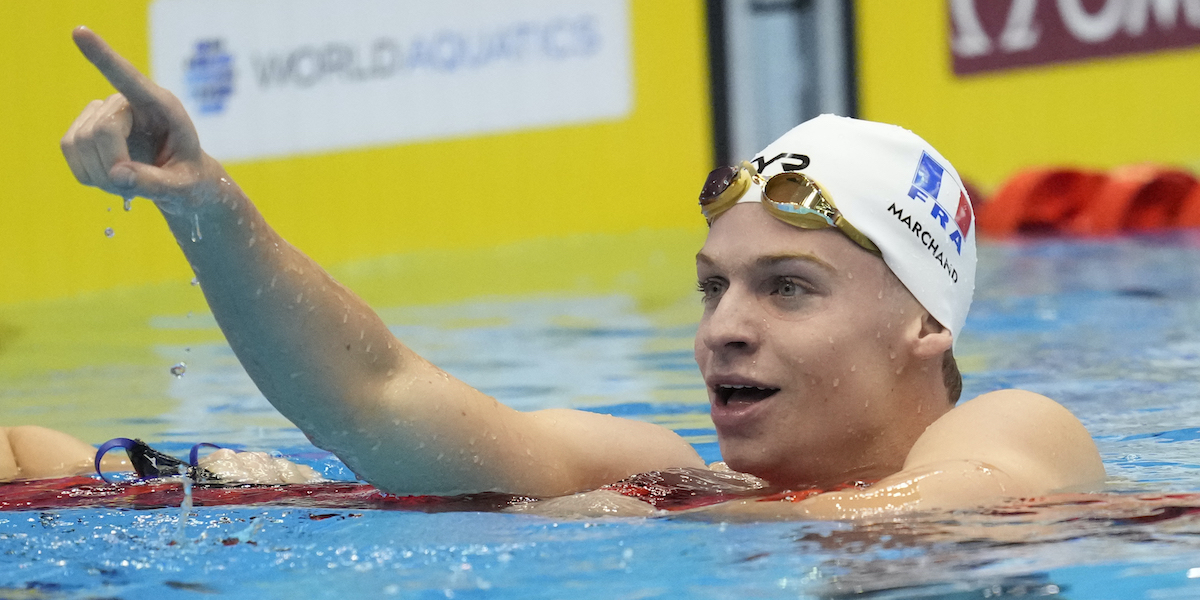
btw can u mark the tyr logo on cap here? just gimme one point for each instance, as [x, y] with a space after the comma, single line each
[761, 163]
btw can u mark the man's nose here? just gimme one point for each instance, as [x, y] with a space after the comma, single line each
[735, 325]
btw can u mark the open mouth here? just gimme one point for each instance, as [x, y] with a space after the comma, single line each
[743, 393]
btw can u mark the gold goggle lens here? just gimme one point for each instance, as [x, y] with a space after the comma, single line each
[791, 197]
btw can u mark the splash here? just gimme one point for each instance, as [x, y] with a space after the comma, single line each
[108, 232]
[179, 369]
[185, 507]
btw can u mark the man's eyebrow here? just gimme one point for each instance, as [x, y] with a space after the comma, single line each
[774, 259]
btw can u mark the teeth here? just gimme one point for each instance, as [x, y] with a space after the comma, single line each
[743, 387]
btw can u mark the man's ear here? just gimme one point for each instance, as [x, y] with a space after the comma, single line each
[932, 338]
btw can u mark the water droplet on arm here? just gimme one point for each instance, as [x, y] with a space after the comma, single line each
[179, 369]
[128, 203]
[196, 228]
[108, 232]
[195, 281]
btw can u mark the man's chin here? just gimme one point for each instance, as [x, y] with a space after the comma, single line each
[745, 456]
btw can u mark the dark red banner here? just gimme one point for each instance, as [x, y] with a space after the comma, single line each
[993, 35]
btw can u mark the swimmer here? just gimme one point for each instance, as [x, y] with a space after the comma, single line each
[836, 276]
[33, 452]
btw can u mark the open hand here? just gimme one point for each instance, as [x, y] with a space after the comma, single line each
[138, 142]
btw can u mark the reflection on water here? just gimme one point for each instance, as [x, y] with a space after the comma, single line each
[1057, 548]
[591, 353]
[1032, 548]
[1112, 329]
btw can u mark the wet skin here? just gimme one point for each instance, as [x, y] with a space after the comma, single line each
[820, 366]
[823, 335]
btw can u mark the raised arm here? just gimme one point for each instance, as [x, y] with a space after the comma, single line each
[320, 355]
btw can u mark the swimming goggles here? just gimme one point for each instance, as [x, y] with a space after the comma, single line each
[791, 197]
[151, 464]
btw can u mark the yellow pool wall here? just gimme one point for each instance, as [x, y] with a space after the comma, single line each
[1098, 113]
[639, 173]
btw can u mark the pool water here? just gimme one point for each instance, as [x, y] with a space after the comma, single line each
[1109, 328]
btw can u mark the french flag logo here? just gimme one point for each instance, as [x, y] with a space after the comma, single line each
[964, 216]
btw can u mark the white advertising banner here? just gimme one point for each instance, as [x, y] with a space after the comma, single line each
[269, 78]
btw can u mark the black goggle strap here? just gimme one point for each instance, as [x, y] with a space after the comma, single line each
[150, 463]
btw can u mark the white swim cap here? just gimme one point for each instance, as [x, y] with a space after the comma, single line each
[899, 192]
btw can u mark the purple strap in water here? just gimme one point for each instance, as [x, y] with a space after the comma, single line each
[194, 455]
[125, 443]
[150, 463]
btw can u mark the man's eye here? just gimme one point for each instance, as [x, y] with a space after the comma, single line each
[710, 288]
[788, 287]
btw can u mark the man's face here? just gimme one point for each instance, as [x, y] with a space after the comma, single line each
[803, 346]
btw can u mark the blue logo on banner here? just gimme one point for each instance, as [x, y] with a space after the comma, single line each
[210, 76]
[928, 180]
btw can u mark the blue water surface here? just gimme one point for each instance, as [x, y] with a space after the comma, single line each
[1109, 328]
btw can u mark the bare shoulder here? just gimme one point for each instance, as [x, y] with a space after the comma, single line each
[1001, 445]
[1031, 438]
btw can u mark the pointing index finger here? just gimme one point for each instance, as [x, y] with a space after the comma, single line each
[121, 73]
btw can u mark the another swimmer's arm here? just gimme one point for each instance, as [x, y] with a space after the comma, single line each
[1001, 445]
[320, 355]
[8, 462]
[33, 452]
